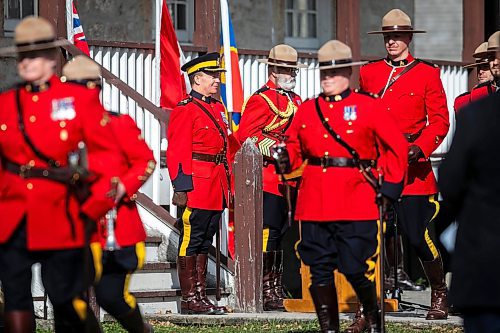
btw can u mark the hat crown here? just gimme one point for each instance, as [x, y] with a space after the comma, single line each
[33, 29]
[283, 52]
[334, 50]
[81, 68]
[494, 41]
[396, 17]
[483, 47]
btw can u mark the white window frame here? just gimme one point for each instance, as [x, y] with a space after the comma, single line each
[323, 10]
[184, 35]
[10, 23]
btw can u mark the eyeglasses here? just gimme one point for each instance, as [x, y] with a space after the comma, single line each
[286, 70]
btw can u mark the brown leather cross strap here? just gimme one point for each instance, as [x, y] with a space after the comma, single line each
[394, 79]
[339, 162]
[217, 158]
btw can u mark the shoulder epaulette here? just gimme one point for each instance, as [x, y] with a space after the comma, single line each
[428, 63]
[261, 90]
[376, 60]
[372, 95]
[463, 94]
[185, 101]
[114, 113]
[217, 101]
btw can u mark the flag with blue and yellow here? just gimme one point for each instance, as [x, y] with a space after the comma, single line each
[231, 87]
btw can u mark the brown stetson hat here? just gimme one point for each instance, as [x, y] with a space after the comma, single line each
[33, 34]
[479, 61]
[493, 46]
[396, 21]
[283, 55]
[81, 68]
[335, 54]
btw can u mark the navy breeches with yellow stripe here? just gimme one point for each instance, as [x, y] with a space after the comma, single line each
[112, 291]
[63, 275]
[414, 214]
[198, 228]
[351, 247]
[274, 221]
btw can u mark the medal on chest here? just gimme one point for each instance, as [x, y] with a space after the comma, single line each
[63, 109]
[350, 112]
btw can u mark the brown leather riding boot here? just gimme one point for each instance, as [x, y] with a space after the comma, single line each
[325, 302]
[190, 303]
[201, 285]
[374, 321]
[277, 277]
[439, 303]
[19, 322]
[270, 301]
[359, 324]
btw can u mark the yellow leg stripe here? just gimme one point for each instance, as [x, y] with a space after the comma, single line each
[187, 232]
[80, 307]
[265, 239]
[428, 240]
[372, 261]
[140, 252]
[127, 296]
[96, 250]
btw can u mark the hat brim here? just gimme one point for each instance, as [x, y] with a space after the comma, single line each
[266, 61]
[350, 64]
[396, 30]
[213, 69]
[13, 50]
[485, 54]
[476, 64]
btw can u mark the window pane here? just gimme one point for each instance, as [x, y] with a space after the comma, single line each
[289, 25]
[181, 17]
[13, 12]
[289, 4]
[28, 8]
[311, 5]
[311, 22]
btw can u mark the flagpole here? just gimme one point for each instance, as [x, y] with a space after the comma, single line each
[69, 20]
[226, 41]
[156, 64]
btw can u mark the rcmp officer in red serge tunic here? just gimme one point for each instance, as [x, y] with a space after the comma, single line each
[266, 116]
[484, 76]
[45, 217]
[488, 88]
[340, 132]
[411, 90]
[136, 163]
[197, 160]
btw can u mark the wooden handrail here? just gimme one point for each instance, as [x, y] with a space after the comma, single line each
[162, 115]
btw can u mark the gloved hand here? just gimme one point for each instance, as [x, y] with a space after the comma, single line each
[280, 154]
[414, 153]
[383, 201]
[180, 199]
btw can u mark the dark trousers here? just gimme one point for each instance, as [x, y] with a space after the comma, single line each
[274, 221]
[112, 291]
[414, 214]
[64, 277]
[198, 228]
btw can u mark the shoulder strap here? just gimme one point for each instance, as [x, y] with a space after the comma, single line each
[365, 171]
[20, 122]
[404, 71]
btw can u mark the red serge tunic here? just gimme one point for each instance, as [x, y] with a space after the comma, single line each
[417, 102]
[190, 131]
[265, 119]
[57, 116]
[342, 193]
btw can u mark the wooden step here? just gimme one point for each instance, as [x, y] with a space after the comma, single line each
[141, 295]
[157, 267]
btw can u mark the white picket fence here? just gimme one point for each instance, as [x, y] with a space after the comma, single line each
[138, 67]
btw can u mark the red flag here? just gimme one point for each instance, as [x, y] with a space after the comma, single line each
[172, 85]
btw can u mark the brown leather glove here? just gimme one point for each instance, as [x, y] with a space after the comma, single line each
[385, 202]
[414, 154]
[180, 199]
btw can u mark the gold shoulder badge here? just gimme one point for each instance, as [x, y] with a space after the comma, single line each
[185, 101]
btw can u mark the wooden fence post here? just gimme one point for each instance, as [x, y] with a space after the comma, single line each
[248, 228]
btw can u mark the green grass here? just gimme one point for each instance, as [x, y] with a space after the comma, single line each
[272, 327]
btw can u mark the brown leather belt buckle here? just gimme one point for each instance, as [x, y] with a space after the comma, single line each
[218, 159]
[24, 171]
